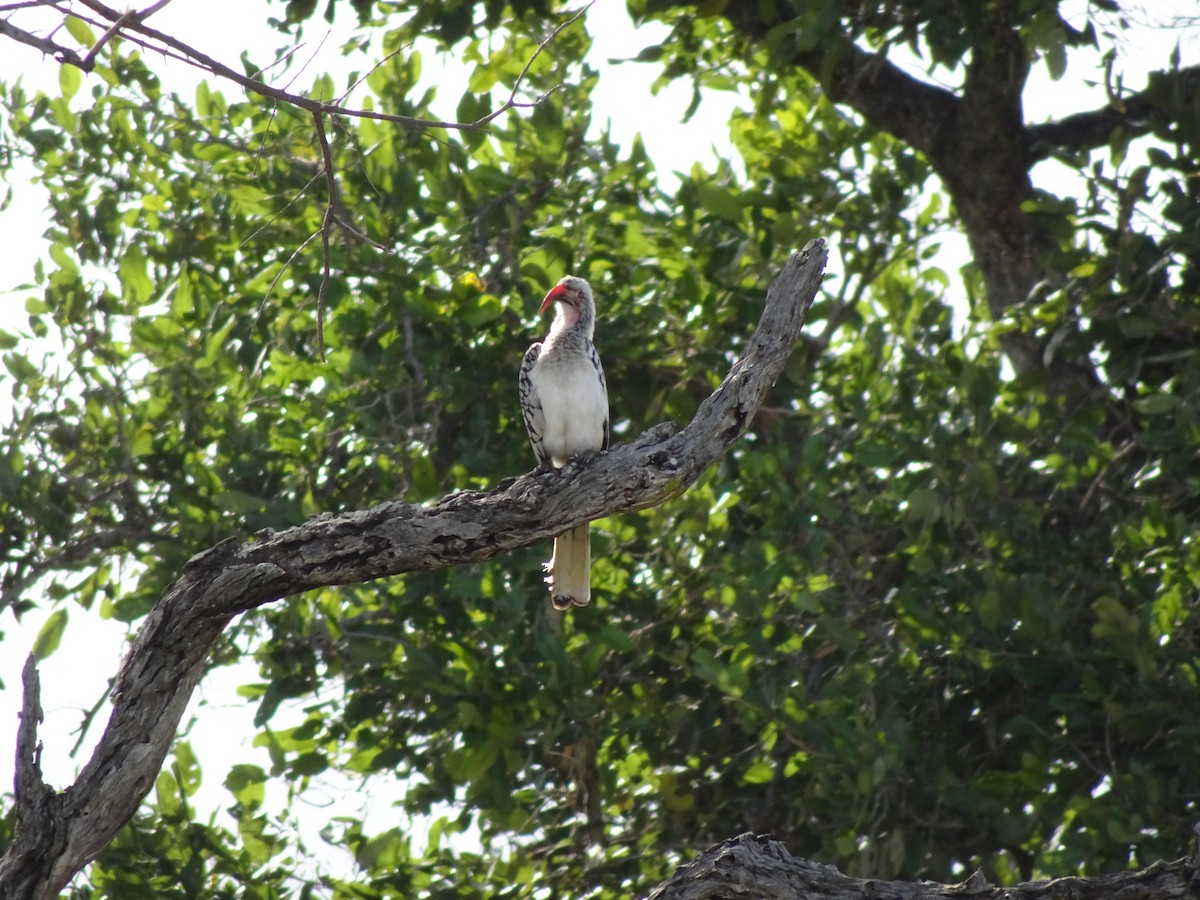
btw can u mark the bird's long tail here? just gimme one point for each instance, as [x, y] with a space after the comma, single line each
[569, 572]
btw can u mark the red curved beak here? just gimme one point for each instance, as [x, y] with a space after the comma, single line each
[556, 293]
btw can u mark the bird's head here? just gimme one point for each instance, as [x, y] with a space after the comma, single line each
[571, 291]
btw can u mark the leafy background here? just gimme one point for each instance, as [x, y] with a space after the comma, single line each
[928, 616]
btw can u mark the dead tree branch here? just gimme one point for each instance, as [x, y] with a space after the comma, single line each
[758, 866]
[57, 834]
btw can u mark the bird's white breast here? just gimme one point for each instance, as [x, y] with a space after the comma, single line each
[574, 403]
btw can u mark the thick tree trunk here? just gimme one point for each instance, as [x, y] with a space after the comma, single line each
[977, 140]
[57, 834]
[755, 866]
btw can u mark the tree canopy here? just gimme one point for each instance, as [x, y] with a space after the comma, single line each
[936, 611]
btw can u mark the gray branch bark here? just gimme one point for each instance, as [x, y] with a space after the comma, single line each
[759, 867]
[1134, 114]
[58, 833]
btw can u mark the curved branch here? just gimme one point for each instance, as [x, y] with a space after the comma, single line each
[1134, 114]
[64, 55]
[755, 865]
[58, 834]
[888, 97]
[978, 143]
[127, 24]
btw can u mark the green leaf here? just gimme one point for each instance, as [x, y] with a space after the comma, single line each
[50, 634]
[1056, 61]
[925, 504]
[187, 769]
[1156, 404]
[166, 794]
[247, 784]
[81, 31]
[615, 637]
[203, 100]
[69, 77]
[759, 773]
[135, 278]
[719, 201]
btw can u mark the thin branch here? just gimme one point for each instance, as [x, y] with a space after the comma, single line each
[279, 213]
[176, 49]
[333, 203]
[89, 60]
[371, 71]
[152, 9]
[308, 62]
[334, 215]
[63, 54]
[511, 102]
[194, 57]
[274, 281]
[88, 718]
[335, 196]
[1134, 115]
[356, 234]
[279, 60]
[70, 555]
[323, 290]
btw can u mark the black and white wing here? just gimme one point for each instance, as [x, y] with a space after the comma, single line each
[531, 404]
[595, 357]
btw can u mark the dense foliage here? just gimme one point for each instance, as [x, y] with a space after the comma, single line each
[936, 612]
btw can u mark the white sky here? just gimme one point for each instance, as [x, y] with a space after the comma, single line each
[73, 678]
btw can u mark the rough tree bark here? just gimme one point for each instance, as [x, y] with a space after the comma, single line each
[58, 833]
[977, 140]
[755, 866]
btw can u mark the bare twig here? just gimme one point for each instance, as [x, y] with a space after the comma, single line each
[308, 62]
[72, 554]
[134, 24]
[512, 103]
[274, 218]
[333, 203]
[355, 233]
[127, 23]
[371, 71]
[334, 214]
[63, 54]
[279, 60]
[152, 9]
[89, 58]
[89, 717]
[323, 290]
[274, 281]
